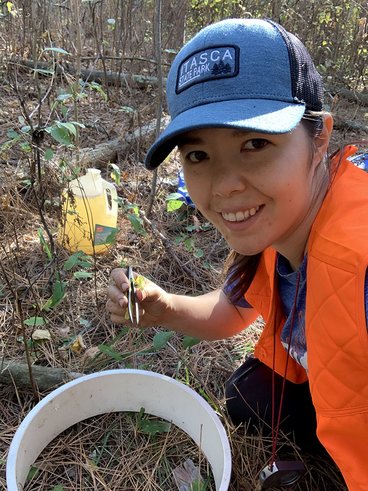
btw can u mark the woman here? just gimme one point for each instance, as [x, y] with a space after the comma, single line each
[246, 106]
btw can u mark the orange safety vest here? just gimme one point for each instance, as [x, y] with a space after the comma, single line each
[335, 322]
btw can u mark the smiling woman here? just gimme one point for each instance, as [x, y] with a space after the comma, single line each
[246, 102]
[245, 184]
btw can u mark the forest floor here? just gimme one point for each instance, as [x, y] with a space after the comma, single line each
[178, 250]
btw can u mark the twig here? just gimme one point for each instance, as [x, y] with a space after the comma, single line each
[28, 357]
[157, 36]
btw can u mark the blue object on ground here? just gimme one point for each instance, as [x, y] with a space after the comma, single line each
[182, 189]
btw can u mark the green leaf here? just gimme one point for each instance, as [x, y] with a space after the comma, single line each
[198, 485]
[75, 123]
[189, 244]
[136, 223]
[110, 239]
[82, 275]
[152, 427]
[58, 293]
[199, 253]
[79, 259]
[35, 321]
[58, 487]
[161, 339]
[60, 134]
[189, 341]
[72, 261]
[57, 50]
[97, 87]
[173, 196]
[33, 471]
[26, 147]
[174, 205]
[178, 239]
[69, 126]
[44, 244]
[116, 174]
[107, 350]
[64, 111]
[12, 134]
[64, 97]
[49, 153]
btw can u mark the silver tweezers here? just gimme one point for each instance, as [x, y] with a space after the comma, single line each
[133, 308]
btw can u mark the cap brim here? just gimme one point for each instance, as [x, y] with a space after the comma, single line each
[264, 116]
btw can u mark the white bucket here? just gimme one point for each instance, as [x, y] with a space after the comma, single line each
[113, 391]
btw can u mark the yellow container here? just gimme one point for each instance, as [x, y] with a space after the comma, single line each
[90, 212]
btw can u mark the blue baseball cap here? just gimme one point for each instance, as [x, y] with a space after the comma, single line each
[246, 74]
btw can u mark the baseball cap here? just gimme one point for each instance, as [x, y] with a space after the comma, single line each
[246, 74]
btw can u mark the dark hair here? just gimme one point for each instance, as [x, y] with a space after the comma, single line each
[240, 270]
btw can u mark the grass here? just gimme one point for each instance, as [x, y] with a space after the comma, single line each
[114, 452]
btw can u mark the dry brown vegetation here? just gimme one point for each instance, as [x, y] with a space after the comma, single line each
[30, 187]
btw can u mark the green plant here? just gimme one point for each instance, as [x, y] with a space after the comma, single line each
[133, 215]
[151, 426]
[188, 238]
[81, 261]
[77, 260]
[174, 202]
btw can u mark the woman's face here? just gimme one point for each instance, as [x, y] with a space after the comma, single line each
[257, 189]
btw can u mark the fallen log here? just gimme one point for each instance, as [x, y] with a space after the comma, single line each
[91, 75]
[360, 98]
[143, 81]
[107, 151]
[348, 125]
[45, 378]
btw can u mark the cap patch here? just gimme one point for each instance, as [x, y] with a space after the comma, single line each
[209, 64]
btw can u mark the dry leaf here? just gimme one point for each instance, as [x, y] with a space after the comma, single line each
[91, 353]
[78, 345]
[4, 201]
[64, 331]
[186, 475]
[41, 335]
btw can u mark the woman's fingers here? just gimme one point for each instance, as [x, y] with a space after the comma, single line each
[117, 301]
[116, 307]
[152, 300]
[119, 279]
[117, 296]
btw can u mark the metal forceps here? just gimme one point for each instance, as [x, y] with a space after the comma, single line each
[133, 308]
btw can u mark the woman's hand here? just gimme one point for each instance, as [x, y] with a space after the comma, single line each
[153, 301]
